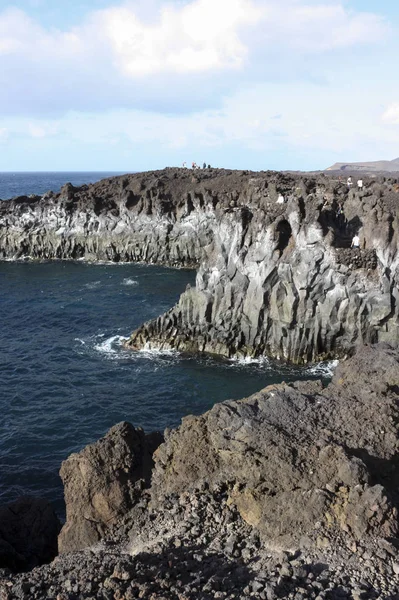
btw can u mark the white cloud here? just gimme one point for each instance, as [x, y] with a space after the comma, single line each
[199, 36]
[197, 79]
[204, 35]
[322, 27]
[391, 115]
[177, 56]
[316, 119]
[313, 131]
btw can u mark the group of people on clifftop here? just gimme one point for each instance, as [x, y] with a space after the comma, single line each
[195, 166]
[359, 183]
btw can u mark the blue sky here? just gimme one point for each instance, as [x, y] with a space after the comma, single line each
[142, 84]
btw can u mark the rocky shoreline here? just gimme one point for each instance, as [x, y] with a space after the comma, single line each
[275, 273]
[290, 493]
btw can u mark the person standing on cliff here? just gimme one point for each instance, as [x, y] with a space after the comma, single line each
[341, 215]
[360, 184]
[355, 242]
[349, 182]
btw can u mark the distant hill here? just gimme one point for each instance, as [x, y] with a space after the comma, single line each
[387, 166]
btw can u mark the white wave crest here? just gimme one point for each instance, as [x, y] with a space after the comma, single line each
[92, 285]
[147, 349]
[129, 281]
[323, 369]
[249, 360]
[111, 345]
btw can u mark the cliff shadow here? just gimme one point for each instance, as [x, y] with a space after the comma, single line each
[283, 235]
[383, 471]
[345, 230]
[354, 225]
[189, 569]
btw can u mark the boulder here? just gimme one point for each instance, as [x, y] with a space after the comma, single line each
[28, 533]
[102, 482]
[299, 460]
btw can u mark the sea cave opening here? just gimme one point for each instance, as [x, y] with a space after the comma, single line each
[284, 233]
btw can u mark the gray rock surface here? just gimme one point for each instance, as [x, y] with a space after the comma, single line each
[273, 279]
[104, 481]
[200, 549]
[28, 533]
[279, 280]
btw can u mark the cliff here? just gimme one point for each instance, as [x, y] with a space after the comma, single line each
[275, 273]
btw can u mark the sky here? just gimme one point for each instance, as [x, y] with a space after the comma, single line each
[111, 85]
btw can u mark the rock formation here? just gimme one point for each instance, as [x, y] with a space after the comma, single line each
[299, 461]
[290, 493]
[104, 481]
[28, 533]
[275, 274]
[279, 280]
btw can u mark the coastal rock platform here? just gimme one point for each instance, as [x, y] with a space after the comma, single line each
[290, 493]
[275, 272]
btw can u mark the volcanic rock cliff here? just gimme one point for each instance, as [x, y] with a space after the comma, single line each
[275, 273]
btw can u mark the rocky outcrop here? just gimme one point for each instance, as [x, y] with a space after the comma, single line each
[103, 482]
[28, 534]
[290, 493]
[131, 218]
[275, 275]
[300, 462]
[277, 279]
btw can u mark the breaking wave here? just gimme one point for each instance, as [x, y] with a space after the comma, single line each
[92, 285]
[323, 369]
[130, 281]
[111, 345]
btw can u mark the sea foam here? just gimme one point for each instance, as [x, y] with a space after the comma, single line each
[130, 281]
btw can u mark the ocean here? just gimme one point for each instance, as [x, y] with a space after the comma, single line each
[25, 183]
[65, 377]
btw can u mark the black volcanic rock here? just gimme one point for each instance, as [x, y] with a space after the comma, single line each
[28, 533]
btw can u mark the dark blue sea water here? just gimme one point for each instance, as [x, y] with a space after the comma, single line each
[65, 378]
[19, 184]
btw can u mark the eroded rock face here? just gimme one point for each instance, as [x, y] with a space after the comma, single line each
[279, 279]
[28, 533]
[104, 481]
[274, 278]
[300, 461]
